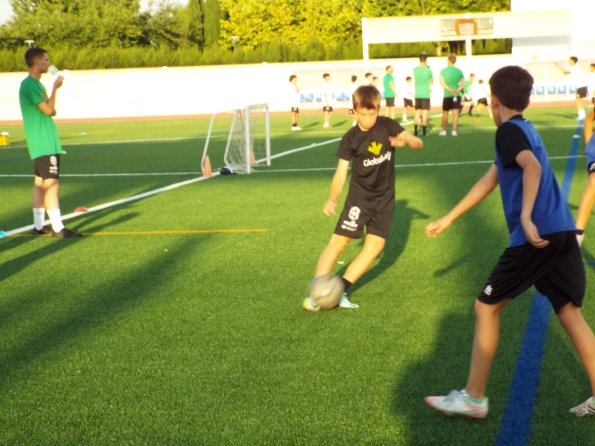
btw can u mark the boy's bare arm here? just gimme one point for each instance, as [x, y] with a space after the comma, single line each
[49, 107]
[588, 126]
[330, 206]
[478, 192]
[406, 139]
[531, 178]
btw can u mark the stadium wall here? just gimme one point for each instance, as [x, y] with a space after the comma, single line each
[181, 91]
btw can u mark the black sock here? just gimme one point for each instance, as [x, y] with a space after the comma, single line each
[415, 129]
[580, 231]
[470, 110]
[346, 283]
[424, 128]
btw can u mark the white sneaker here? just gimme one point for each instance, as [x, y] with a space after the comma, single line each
[458, 402]
[586, 408]
[454, 133]
[442, 133]
[327, 125]
[309, 305]
[346, 303]
[296, 128]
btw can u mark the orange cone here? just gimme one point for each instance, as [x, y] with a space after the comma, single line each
[252, 158]
[206, 167]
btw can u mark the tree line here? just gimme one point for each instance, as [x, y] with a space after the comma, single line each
[116, 34]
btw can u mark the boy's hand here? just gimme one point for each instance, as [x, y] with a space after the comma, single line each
[532, 234]
[398, 141]
[58, 82]
[437, 227]
[330, 207]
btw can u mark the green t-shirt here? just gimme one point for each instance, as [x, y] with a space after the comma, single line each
[388, 90]
[452, 77]
[423, 77]
[40, 130]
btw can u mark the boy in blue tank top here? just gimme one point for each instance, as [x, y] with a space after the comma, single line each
[543, 250]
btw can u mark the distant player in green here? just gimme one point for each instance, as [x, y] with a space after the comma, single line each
[423, 80]
[43, 143]
[453, 81]
[542, 249]
[390, 92]
[370, 203]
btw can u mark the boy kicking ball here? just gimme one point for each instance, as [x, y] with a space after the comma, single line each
[588, 198]
[543, 250]
[369, 147]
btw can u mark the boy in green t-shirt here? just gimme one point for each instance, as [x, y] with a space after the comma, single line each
[43, 143]
[453, 81]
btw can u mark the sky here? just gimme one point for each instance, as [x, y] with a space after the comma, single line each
[6, 10]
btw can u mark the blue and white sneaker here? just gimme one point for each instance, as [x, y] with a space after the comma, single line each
[346, 303]
[583, 409]
[458, 402]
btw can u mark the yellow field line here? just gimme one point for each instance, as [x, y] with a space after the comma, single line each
[166, 232]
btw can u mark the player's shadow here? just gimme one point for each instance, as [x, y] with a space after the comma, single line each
[395, 244]
[443, 368]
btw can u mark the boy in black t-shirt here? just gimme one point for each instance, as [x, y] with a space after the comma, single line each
[369, 147]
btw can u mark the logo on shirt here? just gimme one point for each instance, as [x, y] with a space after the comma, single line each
[488, 290]
[379, 160]
[375, 148]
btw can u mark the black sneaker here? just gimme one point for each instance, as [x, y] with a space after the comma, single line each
[66, 233]
[43, 231]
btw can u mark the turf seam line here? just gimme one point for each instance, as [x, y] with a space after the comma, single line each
[515, 428]
[156, 191]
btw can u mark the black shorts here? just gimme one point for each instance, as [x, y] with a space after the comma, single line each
[581, 93]
[422, 103]
[375, 215]
[407, 102]
[483, 101]
[453, 103]
[327, 108]
[47, 167]
[295, 109]
[390, 102]
[557, 271]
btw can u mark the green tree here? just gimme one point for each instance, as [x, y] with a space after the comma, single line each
[195, 27]
[212, 21]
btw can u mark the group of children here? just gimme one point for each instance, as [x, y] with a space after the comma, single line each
[543, 249]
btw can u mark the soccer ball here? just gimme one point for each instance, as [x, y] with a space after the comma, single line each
[326, 291]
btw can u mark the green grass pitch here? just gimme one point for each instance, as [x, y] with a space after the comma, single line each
[199, 338]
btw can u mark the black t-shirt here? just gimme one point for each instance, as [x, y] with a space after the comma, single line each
[510, 141]
[372, 158]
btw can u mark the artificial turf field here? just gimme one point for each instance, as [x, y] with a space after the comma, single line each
[158, 333]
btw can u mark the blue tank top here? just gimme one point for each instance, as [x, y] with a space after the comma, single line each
[550, 212]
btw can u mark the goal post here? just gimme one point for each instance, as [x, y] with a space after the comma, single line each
[248, 139]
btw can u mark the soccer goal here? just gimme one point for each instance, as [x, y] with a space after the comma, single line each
[248, 139]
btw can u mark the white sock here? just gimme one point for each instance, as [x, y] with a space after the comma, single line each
[56, 219]
[581, 114]
[38, 218]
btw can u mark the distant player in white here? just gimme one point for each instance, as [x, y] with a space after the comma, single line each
[294, 98]
[591, 82]
[579, 81]
[327, 99]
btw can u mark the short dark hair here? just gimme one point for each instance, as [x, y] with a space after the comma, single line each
[325, 75]
[369, 74]
[573, 59]
[423, 57]
[512, 86]
[452, 58]
[366, 96]
[353, 78]
[408, 78]
[33, 53]
[388, 66]
[292, 77]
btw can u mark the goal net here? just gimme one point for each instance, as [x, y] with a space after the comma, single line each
[248, 140]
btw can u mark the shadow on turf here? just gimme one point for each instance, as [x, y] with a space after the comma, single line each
[95, 307]
[395, 244]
